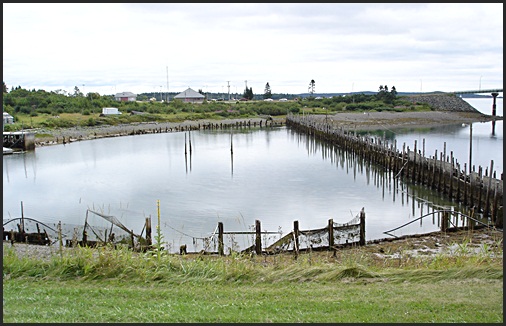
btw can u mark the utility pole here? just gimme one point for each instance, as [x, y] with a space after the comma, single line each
[228, 83]
[167, 97]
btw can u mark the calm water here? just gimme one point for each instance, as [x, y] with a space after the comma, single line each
[485, 145]
[274, 175]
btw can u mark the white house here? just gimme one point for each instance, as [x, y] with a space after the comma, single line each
[190, 95]
[109, 111]
[8, 119]
[125, 97]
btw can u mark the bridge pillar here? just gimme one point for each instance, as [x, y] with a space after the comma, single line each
[494, 95]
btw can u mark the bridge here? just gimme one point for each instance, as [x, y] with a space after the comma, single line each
[491, 91]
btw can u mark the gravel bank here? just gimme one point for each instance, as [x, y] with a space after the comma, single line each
[392, 120]
[348, 120]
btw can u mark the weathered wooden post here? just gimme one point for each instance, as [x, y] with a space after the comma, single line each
[60, 240]
[480, 182]
[258, 238]
[362, 227]
[444, 222]
[414, 163]
[331, 234]
[487, 198]
[148, 231]
[132, 239]
[220, 239]
[296, 238]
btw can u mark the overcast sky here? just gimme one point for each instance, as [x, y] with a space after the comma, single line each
[139, 48]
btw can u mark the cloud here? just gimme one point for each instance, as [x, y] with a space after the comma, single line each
[130, 46]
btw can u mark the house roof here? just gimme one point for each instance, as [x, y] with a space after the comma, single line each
[189, 93]
[125, 94]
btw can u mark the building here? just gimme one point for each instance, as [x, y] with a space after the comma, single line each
[191, 96]
[8, 119]
[109, 111]
[125, 97]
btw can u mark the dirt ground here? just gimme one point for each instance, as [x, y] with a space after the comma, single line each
[478, 241]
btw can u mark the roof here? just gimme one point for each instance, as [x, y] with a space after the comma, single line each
[189, 93]
[125, 94]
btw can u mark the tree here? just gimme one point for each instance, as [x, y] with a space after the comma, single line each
[5, 88]
[267, 91]
[311, 87]
[77, 92]
[385, 96]
[248, 93]
[393, 91]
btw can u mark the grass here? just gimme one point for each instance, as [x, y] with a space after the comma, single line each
[107, 285]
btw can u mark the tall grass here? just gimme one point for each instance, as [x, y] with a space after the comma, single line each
[158, 265]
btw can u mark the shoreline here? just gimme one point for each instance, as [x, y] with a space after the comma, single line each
[348, 120]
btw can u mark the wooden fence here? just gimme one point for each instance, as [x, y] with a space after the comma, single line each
[481, 191]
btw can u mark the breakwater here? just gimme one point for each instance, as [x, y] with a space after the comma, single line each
[444, 102]
[480, 190]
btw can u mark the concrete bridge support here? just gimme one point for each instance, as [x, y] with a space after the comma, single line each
[494, 95]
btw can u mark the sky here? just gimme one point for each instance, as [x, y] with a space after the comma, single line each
[224, 47]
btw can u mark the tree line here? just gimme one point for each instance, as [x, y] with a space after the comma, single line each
[20, 102]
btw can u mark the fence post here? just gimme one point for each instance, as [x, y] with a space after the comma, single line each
[296, 238]
[331, 234]
[60, 241]
[132, 239]
[444, 222]
[258, 239]
[220, 239]
[148, 231]
[362, 227]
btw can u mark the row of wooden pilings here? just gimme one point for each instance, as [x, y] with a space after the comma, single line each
[483, 193]
[131, 130]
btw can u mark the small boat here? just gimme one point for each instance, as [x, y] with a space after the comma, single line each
[8, 151]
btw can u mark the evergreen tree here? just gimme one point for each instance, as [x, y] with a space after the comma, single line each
[267, 91]
[248, 93]
[311, 87]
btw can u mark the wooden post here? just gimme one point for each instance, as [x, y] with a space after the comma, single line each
[132, 239]
[470, 145]
[296, 238]
[459, 175]
[487, 198]
[331, 234]
[444, 222]
[362, 227]
[60, 241]
[258, 238]
[451, 176]
[148, 231]
[465, 184]
[22, 219]
[414, 163]
[220, 239]
[480, 181]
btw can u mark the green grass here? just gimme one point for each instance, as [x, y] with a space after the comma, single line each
[106, 285]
